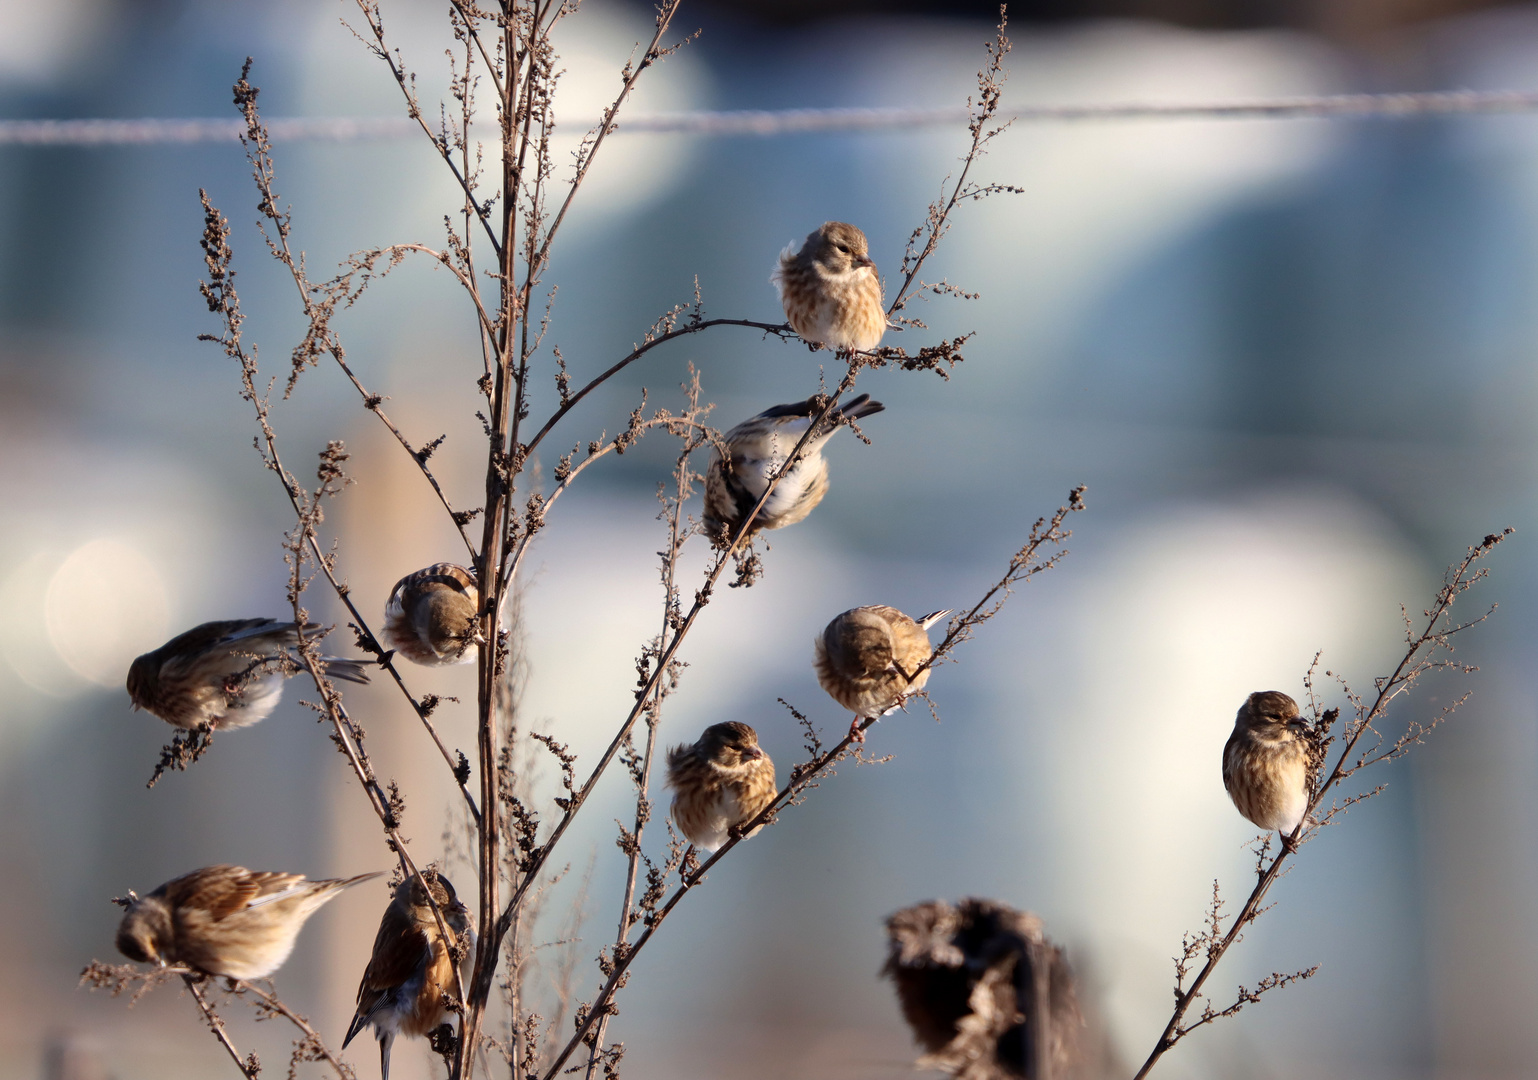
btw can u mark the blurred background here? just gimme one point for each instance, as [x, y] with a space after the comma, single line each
[1293, 360]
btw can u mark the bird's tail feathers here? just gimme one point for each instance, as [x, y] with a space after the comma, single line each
[385, 1039]
[353, 671]
[859, 408]
[933, 617]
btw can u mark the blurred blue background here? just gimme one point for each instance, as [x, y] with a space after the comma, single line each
[1293, 361]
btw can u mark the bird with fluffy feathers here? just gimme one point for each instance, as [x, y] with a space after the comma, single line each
[830, 290]
[225, 674]
[225, 920]
[719, 783]
[411, 972]
[870, 659]
[756, 449]
[1265, 763]
[433, 614]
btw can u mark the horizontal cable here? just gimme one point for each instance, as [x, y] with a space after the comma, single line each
[766, 122]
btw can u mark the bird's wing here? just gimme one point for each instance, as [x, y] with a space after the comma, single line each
[212, 634]
[401, 952]
[222, 890]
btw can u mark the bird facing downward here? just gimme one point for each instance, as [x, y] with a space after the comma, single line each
[432, 616]
[758, 449]
[225, 920]
[411, 971]
[225, 674]
[719, 783]
[830, 290]
[1265, 764]
[868, 660]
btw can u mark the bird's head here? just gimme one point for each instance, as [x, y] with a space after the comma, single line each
[145, 931]
[1269, 713]
[838, 247]
[141, 680]
[730, 744]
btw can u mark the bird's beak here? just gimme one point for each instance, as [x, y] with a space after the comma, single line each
[752, 753]
[864, 260]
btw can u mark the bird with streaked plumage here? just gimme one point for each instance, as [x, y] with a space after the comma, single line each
[225, 920]
[433, 616]
[225, 674]
[1265, 763]
[869, 658]
[756, 449]
[719, 783]
[411, 971]
[830, 290]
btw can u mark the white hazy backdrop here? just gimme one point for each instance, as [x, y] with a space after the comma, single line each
[1293, 361]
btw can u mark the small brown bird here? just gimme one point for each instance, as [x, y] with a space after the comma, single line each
[719, 783]
[225, 920]
[225, 674]
[431, 616]
[867, 659]
[411, 972]
[967, 982]
[830, 290]
[1265, 764]
[758, 448]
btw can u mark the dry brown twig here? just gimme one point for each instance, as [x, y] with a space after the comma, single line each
[1428, 649]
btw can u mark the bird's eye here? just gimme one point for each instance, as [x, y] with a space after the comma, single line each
[844, 249]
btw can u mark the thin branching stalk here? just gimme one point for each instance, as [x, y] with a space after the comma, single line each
[1427, 649]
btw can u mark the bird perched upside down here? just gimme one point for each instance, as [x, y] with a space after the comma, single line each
[432, 616]
[719, 783]
[758, 448]
[830, 290]
[868, 660]
[225, 920]
[411, 971]
[225, 674]
[1265, 764]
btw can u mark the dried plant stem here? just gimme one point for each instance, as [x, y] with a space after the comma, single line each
[1420, 657]
[248, 1066]
[312, 1040]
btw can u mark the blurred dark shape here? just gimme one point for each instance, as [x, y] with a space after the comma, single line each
[968, 979]
[1325, 16]
[69, 1057]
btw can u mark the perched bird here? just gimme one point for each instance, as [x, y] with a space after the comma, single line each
[830, 290]
[718, 783]
[225, 674]
[225, 920]
[868, 660]
[967, 979]
[1265, 764]
[758, 448]
[431, 616]
[411, 971]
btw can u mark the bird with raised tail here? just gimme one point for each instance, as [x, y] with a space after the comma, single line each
[225, 920]
[225, 674]
[719, 783]
[433, 616]
[1265, 763]
[757, 449]
[871, 659]
[830, 290]
[411, 971]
